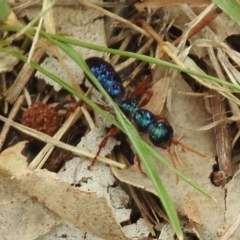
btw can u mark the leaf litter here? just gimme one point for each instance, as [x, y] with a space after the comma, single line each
[58, 196]
[75, 205]
[186, 113]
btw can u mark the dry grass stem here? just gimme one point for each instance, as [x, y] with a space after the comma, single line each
[88, 118]
[12, 115]
[130, 61]
[45, 138]
[24, 75]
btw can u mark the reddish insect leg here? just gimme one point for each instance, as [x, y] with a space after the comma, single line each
[141, 90]
[161, 117]
[176, 142]
[104, 107]
[146, 98]
[138, 164]
[113, 132]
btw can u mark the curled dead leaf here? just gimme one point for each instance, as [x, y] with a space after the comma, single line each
[86, 210]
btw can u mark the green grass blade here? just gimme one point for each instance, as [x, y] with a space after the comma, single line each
[229, 86]
[5, 10]
[230, 7]
[141, 57]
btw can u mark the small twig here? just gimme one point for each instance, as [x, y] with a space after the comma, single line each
[4, 89]
[208, 18]
[231, 229]
[11, 116]
[88, 118]
[129, 61]
[24, 75]
[223, 144]
[123, 47]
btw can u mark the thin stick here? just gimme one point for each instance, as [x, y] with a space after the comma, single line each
[11, 116]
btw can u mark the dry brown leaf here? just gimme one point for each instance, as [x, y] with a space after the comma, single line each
[86, 210]
[192, 209]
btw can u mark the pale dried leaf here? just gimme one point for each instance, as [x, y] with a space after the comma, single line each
[99, 180]
[86, 210]
[232, 207]
[136, 230]
[192, 209]
[7, 61]
[167, 233]
[66, 230]
[22, 216]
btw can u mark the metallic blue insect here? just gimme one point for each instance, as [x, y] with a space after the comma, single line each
[107, 76]
[160, 131]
